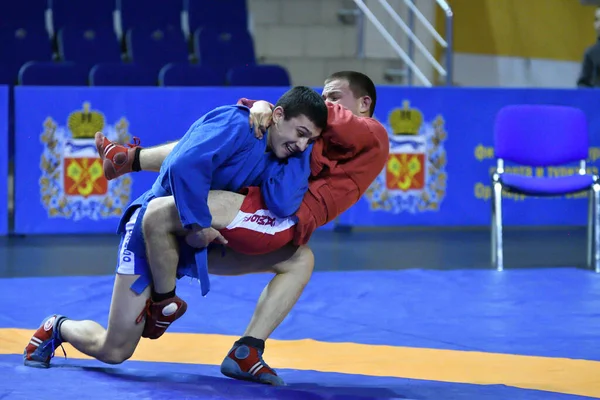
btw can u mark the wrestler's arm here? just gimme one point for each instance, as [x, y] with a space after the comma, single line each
[345, 183]
[368, 148]
[348, 181]
[342, 189]
[286, 183]
[250, 103]
[151, 158]
[261, 113]
[346, 130]
[194, 160]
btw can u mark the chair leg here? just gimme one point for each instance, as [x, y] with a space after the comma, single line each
[591, 227]
[497, 250]
[493, 238]
[595, 250]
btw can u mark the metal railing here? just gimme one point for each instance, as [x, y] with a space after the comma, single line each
[408, 56]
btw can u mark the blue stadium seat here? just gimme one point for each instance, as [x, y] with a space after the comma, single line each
[217, 14]
[224, 48]
[153, 14]
[23, 14]
[82, 14]
[258, 75]
[89, 46]
[53, 74]
[19, 46]
[120, 74]
[182, 74]
[156, 47]
[7, 75]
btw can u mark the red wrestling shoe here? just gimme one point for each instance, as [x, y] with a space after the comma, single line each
[160, 315]
[117, 159]
[245, 363]
[41, 346]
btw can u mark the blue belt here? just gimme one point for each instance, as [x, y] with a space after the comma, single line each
[143, 281]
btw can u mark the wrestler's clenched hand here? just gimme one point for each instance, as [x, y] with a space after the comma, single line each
[260, 117]
[204, 237]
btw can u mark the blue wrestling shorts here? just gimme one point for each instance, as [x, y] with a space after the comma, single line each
[129, 263]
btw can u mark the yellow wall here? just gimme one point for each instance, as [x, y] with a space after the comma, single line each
[548, 29]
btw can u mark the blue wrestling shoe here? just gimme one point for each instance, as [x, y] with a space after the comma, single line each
[44, 341]
[246, 363]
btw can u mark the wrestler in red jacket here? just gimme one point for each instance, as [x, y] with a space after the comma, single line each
[347, 158]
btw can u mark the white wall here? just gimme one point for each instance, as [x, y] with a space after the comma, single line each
[307, 38]
[495, 71]
[377, 47]
[469, 69]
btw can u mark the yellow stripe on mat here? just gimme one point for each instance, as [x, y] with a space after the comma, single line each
[561, 375]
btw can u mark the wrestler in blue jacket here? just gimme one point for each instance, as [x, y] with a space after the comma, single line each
[221, 152]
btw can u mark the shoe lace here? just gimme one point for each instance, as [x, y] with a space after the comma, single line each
[136, 142]
[145, 312]
[52, 342]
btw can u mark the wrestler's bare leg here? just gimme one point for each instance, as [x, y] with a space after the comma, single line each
[117, 343]
[151, 158]
[112, 345]
[118, 159]
[292, 265]
[293, 268]
[161, 225]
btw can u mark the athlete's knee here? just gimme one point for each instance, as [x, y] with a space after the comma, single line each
[301, 264]
[305, 260]
[154, 215]
[116, 355]
[116, 349]
[160, 216]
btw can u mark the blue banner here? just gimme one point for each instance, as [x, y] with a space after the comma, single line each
[3, 160]
[60, 186]
[442, 155]
[438, 172]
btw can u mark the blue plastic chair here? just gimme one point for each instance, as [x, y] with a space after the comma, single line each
[23, 14]
[53, 74]
[217, 14]
[543, 136]
[7, 75]
[82, 14]
[157, 47]
[224, 48]
[89, 46]
[121, 74]
[258, 75]
[153, 14]
[183, 74]
[19, 46]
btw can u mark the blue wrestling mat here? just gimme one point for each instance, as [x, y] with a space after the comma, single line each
[410, 334]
